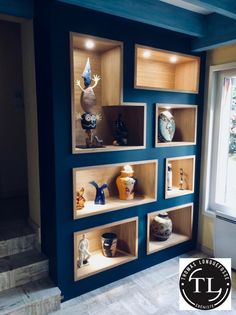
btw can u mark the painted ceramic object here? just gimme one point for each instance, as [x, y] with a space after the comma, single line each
[161, 227]
[166, 126]
[89, 119]
[84, 253]
[80, 200]
[125, 183]
[109, 244]
[100, 195]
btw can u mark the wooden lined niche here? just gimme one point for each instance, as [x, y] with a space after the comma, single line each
[127, 247]
[182, 217]
[106, 59]
[187, 163]
[185, 121]
[145, 189]
[156, 71]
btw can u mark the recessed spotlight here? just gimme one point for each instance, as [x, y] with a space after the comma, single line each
[89, 44]
[146, 54]
[173, 59]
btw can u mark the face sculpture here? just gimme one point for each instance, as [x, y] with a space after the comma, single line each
[166, 126]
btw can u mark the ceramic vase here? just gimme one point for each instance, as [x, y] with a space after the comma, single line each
[166, 126]
[125, 183]
[161, 227]
[109, 244]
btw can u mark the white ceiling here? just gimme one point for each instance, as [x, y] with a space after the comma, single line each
[184, 4]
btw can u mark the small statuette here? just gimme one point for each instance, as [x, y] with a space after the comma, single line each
[161, 227]
[166, 126]
[88, 102]
[125, 183]
[109, 244]
[84, 253]
[100, 195]
[169, 176]
[80, 200]
[120, 131]
[181, 182]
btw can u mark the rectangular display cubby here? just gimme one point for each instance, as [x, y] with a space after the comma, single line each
[181, 184]
[145, 189]
[127, 247]
[185, 117]
[157, 69]
[181, 218]
[106, 60]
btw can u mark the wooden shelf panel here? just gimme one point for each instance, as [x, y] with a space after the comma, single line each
[108, 148]
[127, 247]
[98, 263]
[145, 189]
[182, 217]
[187, 163]
[158, 71]
[111, 205]
[174, 239]
[186, 124]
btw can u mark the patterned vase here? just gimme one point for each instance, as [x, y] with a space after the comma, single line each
[125, 183]
[109, 244]
[161, 227]
[166, 126]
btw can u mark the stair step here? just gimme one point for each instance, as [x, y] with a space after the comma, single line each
[19, 269]
[16, 237]
[39, 298]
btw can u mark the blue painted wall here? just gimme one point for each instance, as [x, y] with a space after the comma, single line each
[19, 8]
[53, 22]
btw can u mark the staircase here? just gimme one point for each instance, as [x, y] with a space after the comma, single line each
[25, 288]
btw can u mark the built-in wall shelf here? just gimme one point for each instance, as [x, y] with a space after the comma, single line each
[127, 247]
[185, 117]
[157, 69]
[181, 217]
[187, 165]
[106, 60]
[146, 173]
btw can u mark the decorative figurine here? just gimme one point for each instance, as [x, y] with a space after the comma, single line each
[120, 131]
[109, 244]
[161, 227]
[84, 253]
[169, 176]
[100, 195]
[166, 126]
[80, 200]
[125, 183]
[88, 102]
[181, 182]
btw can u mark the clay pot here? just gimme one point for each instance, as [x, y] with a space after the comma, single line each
[109, 244]
[161, 227]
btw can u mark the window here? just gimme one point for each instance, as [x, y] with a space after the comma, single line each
[219, 174]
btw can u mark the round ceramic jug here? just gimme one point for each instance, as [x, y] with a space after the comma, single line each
[161, 227]
[166, 126]
[109, 244]
[125, 183]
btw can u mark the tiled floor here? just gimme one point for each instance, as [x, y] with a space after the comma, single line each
[152, 291]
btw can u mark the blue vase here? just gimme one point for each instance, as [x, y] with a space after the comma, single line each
[100, 195]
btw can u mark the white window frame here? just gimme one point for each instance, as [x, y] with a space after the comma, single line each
[207, 136]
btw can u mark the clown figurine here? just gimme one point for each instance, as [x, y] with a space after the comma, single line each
[88, 102]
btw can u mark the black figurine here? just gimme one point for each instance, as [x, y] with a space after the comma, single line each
[120, 131]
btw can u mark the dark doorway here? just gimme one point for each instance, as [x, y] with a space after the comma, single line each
[13, 154]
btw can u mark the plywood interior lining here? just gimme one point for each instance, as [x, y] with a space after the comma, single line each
[158, 72]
